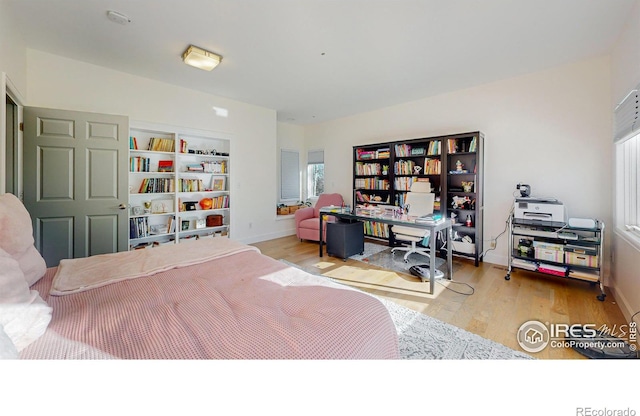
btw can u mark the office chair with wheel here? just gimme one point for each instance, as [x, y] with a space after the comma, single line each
[419, 201]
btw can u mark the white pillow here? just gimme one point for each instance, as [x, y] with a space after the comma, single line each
[8, 351]
[24, 315]
[16, 238]
[25, 322]
[13, 286]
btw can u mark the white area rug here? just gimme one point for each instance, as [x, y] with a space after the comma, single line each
[421, 337]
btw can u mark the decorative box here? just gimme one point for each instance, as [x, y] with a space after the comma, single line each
[283, 210]
[214, 220]
[579, 259]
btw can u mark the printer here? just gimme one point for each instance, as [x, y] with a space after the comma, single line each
[541, 209]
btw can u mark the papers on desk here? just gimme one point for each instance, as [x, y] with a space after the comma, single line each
[333, 208]
[431, 219]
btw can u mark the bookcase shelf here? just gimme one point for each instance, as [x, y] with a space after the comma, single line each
[165, 159]
[448, 162]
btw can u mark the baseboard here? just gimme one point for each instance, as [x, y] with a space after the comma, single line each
[264, 237]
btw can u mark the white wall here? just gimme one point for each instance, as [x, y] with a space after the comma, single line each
[549, 129]
[13, 58]
[625, 69]
[57, 82]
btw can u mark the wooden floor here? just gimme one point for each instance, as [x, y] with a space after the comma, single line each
[496, 308]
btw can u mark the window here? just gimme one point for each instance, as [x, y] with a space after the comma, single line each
[289, 175]
[627, 162]
[315, 173]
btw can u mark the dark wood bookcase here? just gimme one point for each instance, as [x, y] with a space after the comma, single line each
[453, 165]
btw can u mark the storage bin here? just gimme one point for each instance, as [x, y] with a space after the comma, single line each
[549, 254]
[548, 246]
[292, 209]
[463, 247]
[283, 210]
[579, 259]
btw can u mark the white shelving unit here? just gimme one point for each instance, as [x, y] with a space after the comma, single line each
[178, 185]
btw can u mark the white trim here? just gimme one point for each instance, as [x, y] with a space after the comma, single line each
[8, 88]
[629, 237]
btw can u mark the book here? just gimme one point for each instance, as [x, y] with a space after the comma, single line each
[165, 166]
[435, 218]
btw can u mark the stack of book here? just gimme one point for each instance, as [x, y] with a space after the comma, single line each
[431, 219]
[195, 167]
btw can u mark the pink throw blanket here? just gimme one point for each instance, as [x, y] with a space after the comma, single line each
[77, 275]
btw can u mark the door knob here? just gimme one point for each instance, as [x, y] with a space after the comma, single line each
[122, 206]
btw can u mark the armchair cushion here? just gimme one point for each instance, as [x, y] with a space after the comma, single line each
[308, 219]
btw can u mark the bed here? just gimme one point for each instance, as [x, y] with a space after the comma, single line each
[212, 298]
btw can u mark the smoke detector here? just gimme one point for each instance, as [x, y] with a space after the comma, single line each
[118, 17]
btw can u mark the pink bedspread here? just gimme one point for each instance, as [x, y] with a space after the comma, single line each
[244, 306]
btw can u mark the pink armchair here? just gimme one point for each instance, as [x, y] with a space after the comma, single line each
[308, 219]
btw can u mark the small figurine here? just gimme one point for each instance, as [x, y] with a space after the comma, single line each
[458, 166]
[467, 186]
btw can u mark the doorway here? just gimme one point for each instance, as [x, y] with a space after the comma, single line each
[11, 148]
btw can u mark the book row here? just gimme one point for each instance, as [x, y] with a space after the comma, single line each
[406, 150]
[155, 144]
[376, 229]
[370, 169]
[154, 185]
[383, 153]
[372, 183]
[404, 167]
[461, 146]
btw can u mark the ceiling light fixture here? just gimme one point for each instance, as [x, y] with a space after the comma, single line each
[118, 17]
[200, 58]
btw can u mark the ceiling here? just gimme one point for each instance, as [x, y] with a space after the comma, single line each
[317, 60]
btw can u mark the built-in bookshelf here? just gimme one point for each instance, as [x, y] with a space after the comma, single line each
[452, 164]
[178, 185]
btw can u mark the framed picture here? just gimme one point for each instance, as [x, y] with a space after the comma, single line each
[184, 225]
[161, 206]
[218, 184]
[201, 223]
[137, 210]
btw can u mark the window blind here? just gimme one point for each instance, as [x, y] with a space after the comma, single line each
[627, 118]
[315, 157]
[289, 174]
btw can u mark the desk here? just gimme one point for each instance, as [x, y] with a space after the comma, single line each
[433, 228]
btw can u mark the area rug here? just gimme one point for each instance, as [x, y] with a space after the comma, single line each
[421, 337]
[402, 281]
[381, 256]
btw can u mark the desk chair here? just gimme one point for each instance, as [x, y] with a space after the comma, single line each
[419, 201]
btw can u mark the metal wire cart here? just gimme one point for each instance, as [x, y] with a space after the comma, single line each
[557, 249]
